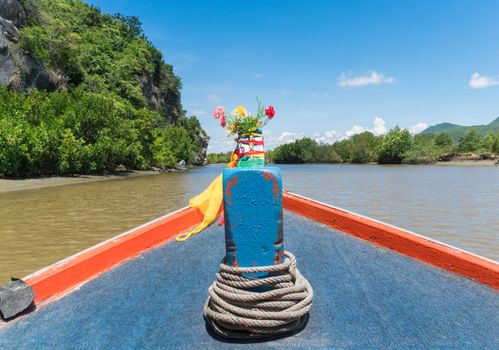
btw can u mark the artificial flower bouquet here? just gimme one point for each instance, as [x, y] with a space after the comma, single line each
[248, 128]
[241, 122]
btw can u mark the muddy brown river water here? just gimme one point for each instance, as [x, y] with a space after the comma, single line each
[458, 205]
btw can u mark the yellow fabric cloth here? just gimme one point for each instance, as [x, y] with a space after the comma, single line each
[233, 160]
[208, 202]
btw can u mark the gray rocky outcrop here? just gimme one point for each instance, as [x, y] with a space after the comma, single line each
[18, 69]
[203, 139]
[164, 101]
[13, 11]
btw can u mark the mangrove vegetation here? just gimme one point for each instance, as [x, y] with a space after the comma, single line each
[398, 146]
[87, 92]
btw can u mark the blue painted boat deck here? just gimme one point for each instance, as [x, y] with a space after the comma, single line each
[365, 297]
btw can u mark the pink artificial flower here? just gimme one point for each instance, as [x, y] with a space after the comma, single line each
[270, 112]
[219, 112]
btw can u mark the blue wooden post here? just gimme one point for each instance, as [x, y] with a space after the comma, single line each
[253, 216]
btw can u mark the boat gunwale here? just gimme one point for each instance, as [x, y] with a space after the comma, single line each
[436, 253]
[58, 287]
[395, 227]
[92, 248]
[49, 283]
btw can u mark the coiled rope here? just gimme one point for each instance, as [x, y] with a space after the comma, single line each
[234, 309]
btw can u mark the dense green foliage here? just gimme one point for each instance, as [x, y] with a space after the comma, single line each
[99, 52]
[427, 148]
[442, 140]
[215, 158]
[470, 142]
[117, 102]
[458, 131]
[491, 143]
[300, 151]
[394, 146]
[79, 132]
[397, 146]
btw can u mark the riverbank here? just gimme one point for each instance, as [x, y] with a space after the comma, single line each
[467, 162]
[10, 185]
[482, 162]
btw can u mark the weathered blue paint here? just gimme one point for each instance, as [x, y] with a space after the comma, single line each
[365, 297]
[253, 216]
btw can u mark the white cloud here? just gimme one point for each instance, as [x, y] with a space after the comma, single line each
[417, 128]
[355, 130]
[213, 98]
[258, 75]
[290, 136]
[285, 92]
[221, 143]
[478, 81]
[370, 78]
[271, 142]
[379, 126]
[327, 136]
[332, 136]
[198, 112]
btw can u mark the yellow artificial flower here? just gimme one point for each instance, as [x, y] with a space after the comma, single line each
[240, 111]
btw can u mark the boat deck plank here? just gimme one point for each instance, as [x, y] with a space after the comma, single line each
[364, 297]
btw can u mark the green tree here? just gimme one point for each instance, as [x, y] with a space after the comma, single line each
[423, 150]
[171, 145]
[327, 154]
[394, 146]
[162, 155]
[491, 143]
[299, 151]
[443, 140]
[363, 147]
[178, 141]
[344, 150]
[470, 141]
[215, 158]
[73, 154]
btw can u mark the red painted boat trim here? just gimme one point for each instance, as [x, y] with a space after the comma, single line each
[62, 277]
[402, 241]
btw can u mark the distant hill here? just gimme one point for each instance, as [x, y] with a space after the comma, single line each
[456, 131]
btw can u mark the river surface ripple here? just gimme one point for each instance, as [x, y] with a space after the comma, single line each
[453, 204]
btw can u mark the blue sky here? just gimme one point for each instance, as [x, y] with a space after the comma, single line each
[330, 68]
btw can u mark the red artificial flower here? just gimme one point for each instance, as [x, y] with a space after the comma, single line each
[223, 122]
[270, 112]
[219, 112]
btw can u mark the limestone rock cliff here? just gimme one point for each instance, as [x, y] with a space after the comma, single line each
[87, 61]
[202, 139]
[13, 11]
[18, 69]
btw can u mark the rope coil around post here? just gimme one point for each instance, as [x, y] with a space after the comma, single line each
[235, 310]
